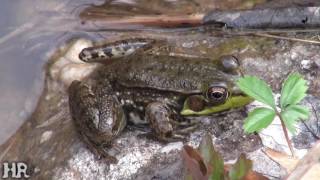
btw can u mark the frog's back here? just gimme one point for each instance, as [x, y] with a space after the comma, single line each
[181, 74]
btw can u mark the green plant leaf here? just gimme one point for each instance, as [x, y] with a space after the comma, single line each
[241, 168]
[194, 163]
[293, 90]
[292, 114]
[257, 89]
[258, 119]
[211, 157]
[206, 148]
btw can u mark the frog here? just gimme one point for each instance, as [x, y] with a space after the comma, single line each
[157, 88]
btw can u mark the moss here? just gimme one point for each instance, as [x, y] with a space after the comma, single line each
[237, 44]
[249, 4]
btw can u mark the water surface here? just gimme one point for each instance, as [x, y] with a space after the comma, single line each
[30, 31]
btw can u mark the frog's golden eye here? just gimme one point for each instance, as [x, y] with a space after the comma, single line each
[217, 94]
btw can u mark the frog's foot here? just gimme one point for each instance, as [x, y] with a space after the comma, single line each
[187, 130]
[98, 117]
[171, 138]
[99, 151]
[115, 50]
[159, 117]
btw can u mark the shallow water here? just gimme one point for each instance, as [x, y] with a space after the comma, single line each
[30, 31]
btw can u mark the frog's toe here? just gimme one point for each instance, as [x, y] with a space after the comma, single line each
[106, 157]
[184, 123]
[174, 138]
[186, 130]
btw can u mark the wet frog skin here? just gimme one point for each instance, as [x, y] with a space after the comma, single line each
[152, 87]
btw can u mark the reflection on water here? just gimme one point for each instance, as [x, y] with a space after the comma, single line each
[30, 30]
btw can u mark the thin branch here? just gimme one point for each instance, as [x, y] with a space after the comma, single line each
[285, 131]
[153, 21]
[286, 38]
[310, 130]
[315, 114]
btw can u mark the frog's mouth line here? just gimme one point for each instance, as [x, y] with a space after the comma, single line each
[232, 102]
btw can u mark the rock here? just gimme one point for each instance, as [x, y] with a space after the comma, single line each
[306, 64]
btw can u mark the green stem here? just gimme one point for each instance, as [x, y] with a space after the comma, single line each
[285, 131]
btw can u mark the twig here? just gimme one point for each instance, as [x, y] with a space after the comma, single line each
[286, 38]
[164, 21]
[285, 131]
[315, 114]
[312, 133]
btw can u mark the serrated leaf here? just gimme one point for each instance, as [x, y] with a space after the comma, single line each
[292, 114]
[293, 91]
[301, 112]
[257, 89]
[241, 168]
[258, 119]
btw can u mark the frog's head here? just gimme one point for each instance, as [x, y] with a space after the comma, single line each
[218, 94]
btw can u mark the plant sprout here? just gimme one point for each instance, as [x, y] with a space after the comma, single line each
[289, 112]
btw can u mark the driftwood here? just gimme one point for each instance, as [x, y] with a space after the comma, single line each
[293, 17]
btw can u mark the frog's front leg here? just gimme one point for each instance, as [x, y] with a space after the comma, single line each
[98, 117]
[164, 127]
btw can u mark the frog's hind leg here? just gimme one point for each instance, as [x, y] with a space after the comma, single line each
[94, 116]
[115, 50]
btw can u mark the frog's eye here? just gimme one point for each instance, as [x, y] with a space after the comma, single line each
[217, 94]
[229, 63]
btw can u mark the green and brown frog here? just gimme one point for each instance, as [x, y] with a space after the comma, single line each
[160, 89]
